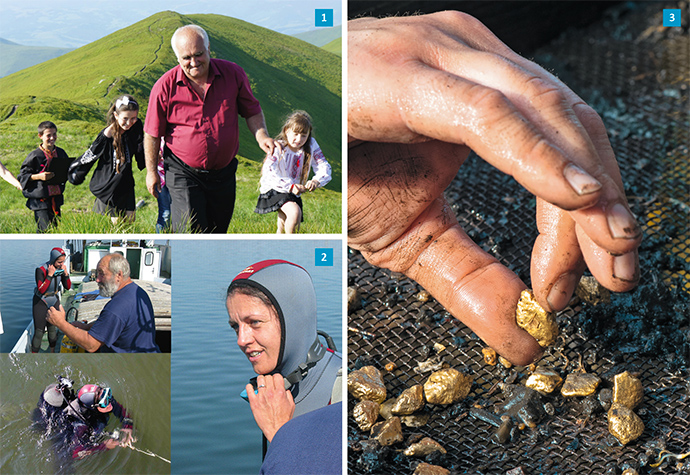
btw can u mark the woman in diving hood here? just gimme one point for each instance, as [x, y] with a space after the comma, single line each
[272, 308]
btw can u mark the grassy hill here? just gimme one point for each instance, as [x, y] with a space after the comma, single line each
[321, 36]
[16, 57]
[335, 46]
[75, 90]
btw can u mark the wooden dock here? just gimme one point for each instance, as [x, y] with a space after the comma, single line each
[158, 292]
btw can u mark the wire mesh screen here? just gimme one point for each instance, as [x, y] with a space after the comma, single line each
[635, 73]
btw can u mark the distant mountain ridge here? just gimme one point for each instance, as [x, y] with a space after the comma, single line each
[321, 36]
[285, 73]
[16, 57]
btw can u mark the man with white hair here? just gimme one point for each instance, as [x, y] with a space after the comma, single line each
[125, 325]
[194, 109]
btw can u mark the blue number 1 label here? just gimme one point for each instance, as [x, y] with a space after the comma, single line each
[323, 257]
[323, 17]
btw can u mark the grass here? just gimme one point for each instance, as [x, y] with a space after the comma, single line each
[322, 209]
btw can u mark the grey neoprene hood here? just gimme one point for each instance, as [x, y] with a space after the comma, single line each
[291, 290]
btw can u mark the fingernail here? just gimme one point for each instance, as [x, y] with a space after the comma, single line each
[582, 182]
[621, 223]
[562, 290]
[625, 267]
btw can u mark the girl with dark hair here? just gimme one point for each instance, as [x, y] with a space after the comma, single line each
[114, 149]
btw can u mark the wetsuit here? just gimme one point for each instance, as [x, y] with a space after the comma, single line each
[46, 294]
[290, 289]
[75, 430]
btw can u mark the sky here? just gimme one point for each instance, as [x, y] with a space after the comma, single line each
[74, 23]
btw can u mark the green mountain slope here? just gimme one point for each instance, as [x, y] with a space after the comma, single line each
[335, 46]
[321, 36]
[286, 74]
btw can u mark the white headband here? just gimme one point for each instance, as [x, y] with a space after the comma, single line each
[123, 101]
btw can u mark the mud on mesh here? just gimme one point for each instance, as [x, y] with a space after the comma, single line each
[636, 76]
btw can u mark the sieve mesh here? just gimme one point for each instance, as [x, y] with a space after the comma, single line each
[636, 75]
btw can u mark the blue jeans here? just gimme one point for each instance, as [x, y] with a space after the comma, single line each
[163, 210]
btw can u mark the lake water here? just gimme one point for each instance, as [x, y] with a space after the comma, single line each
[141, 383]
[18, 261]
[186, 404]
[213, 430]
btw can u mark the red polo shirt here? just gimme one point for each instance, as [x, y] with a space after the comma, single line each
[203, 134]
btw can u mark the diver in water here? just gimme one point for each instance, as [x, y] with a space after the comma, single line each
[77, 422]
[272, 308]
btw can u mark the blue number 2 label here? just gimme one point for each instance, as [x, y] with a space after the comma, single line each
[323, 17]
[323, 257]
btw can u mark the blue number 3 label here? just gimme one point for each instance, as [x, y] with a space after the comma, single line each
[323, 256]
[672, 17]
[323, 17]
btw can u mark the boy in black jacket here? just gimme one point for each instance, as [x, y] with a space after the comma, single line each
[44, 188]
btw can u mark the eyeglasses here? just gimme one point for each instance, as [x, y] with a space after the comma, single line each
[106, 398]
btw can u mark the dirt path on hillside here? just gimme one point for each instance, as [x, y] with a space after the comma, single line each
[155, 58]
[14, 109]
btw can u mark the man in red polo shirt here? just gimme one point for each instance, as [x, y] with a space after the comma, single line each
[194, 108]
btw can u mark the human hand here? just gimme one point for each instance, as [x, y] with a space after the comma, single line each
[153, 182]
[44, 176]
[273, 406]
[51, 270]
[126, 438]
[312, 185]
[56, 316]
[465, 88]
[111, 444]
[267, 144]
[298, 188]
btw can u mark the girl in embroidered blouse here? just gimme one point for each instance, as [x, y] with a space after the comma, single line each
[284, 174]
[115, 148]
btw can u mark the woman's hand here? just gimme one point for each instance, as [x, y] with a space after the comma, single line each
[272, 405]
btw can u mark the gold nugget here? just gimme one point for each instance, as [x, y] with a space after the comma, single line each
[365, 414]
[535, 320]
[423, 296]
[388, 432]
[627, 390]
[416, 420]
[428, 469]
[447, 386]
[423, 448]
[409, 401]
[490, 356]
[367, 383]
[543, 380]
[385, 409]
[624, 424]
[580, 384]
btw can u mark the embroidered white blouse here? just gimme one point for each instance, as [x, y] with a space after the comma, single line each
[281, 172]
